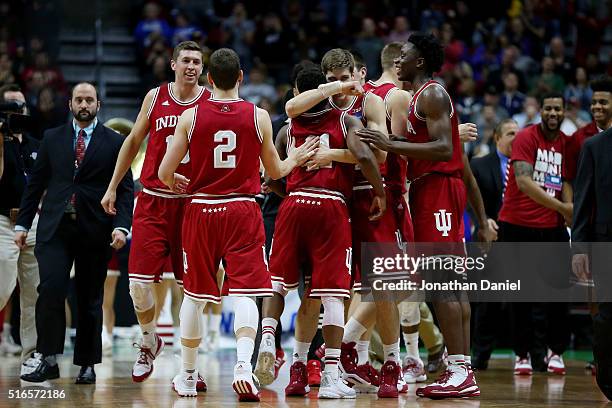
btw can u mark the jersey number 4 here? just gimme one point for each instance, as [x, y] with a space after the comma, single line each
[224, 160]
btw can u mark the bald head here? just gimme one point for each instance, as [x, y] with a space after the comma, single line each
[84, 103]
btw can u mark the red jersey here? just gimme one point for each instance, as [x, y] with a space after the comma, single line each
[573, 146]
[224, 147]
[395, 165]
[329, 125]
[547, 157]
[163, 116]
[417, 133]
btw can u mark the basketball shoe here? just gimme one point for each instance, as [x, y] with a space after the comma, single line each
[555, 363]
[185, 384]
[334, 388]
[457, 381]
[313, 367]
[298, 380]
[522, 365]
[243, 383]
[144, 364]
[413, 370]
[389, 376]
[266, 360]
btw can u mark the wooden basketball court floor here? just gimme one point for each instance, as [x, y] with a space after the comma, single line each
[114, 388]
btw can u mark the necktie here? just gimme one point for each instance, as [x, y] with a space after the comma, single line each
[79, 155]
[506, 176]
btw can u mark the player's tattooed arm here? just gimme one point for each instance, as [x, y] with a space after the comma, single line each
[523, 173]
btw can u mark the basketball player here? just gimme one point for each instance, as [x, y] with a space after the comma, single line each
[156, 230]
[437, 194]
[225, 138]
[313, 226]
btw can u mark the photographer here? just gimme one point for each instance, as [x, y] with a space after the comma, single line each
[19, 153]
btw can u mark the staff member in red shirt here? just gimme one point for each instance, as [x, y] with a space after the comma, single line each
[536, 207]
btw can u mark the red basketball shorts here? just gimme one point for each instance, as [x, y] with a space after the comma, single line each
[437, 204]
[313, 229]
[156, 236]
[229, 230]
[395, 226]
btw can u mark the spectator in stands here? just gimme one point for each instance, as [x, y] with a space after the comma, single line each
[158, 48]
[400, 31]
[511, 99]
[51, 75]
[486, 123]
[6, 70]
[454, 49]
[240, 31]
[548, 80]
[491, 98]
[563, 64]
[369, 45]
[510, 55]
[272, 45]
[152, 22]
[575, 118]
[257, 87]
[467, 103]
[579, 89]
[530, 114]
[184, 29]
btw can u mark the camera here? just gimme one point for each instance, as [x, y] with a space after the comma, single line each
[12, 121]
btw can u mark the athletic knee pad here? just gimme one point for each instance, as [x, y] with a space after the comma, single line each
[142, 296]
[245, 313]
[333, 311]
[409, 313]
[191, 318]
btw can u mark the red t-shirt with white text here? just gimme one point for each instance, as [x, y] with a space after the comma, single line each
[547, 158]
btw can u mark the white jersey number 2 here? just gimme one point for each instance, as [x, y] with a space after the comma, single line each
[168, 141]
[223, 160]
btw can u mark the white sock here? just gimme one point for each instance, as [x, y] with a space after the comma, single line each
[391, 352]
[244, 349]
[332, 357]
[214, 322]
[148, 333]
[412, 344]
[456, 359]
[363, 347]
[268, 327]
[353, 330]
[300, 352]
[189, 356]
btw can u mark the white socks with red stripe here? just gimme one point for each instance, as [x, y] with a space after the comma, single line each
[244, 349]
[268, 328]
[456, 359]
[332, 357]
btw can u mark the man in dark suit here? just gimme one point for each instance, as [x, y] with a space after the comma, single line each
[491, 173]
[74, 165]
[593, 223]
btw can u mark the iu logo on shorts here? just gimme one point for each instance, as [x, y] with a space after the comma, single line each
[443, 222]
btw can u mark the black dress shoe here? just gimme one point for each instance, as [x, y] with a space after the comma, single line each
[87, 375]
[42, 373]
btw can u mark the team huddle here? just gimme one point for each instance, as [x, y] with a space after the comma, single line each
[346, 154]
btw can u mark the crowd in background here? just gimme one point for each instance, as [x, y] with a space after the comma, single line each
[500, 57]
